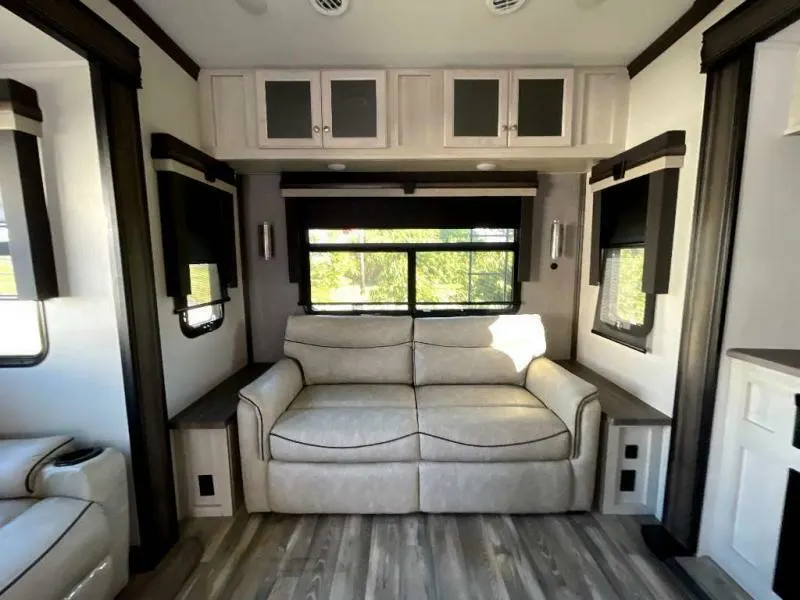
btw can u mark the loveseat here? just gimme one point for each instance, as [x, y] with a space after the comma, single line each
[374, 414]
[64, 530]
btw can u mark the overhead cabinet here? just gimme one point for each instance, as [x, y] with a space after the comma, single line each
[415, 114]
[321, 109]
[502, 108]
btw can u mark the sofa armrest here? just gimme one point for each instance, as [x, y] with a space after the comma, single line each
[264, 400]
[567, 395]
[21, 461]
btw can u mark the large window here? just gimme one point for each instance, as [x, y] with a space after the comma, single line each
[417, 271]
[23, 340]
[624, 312]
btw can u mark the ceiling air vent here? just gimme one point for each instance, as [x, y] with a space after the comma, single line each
[330, 8]
[504, 7]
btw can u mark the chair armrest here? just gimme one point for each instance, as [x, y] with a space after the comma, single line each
[21, 461]
[567, 395]
[264, 400]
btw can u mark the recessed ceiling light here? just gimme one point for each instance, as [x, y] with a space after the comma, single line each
[337, 166]
[330, 8]
[254, 7]
[487, 166]
[504, 7]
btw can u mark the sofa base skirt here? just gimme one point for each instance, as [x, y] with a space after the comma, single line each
[340, 488]
[504, 487]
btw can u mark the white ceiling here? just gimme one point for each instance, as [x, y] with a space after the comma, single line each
[21, 42]
[414, 33]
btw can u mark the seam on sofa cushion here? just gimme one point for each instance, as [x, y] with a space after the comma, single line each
[397, 439]
[46, 552]
[542, 439]
[576, 437]
[408, 343]
[451, 345]
[28, 484]
[259, 425]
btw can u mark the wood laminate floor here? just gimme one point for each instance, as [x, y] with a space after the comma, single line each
[418, 557]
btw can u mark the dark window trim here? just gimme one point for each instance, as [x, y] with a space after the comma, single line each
[193, 332]
[412, 249]
[634, 339]
[14, 362]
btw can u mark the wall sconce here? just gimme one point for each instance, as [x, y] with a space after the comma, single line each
[267, 245]
[556, 241]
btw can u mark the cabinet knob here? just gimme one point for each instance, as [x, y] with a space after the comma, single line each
[326, 129]
[317, 129]
[514, 127]
[505, 127]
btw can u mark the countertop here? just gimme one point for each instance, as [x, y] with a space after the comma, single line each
[785, 361]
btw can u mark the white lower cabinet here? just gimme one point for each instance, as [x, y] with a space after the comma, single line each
[757, 453]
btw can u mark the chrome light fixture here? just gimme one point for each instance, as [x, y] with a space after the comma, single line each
[267, 242]
[556, 240]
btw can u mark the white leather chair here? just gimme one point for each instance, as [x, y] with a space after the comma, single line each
[64, 530]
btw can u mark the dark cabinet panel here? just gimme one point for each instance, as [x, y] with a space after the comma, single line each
[289, 112]
[540, 111]
[354, 108]
[476, 106]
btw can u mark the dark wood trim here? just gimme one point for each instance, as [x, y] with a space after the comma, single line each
[122, 165]
[696, 13]
[160, 38]
[410, 181]
[576, 310]
[23, 99]
[669, 143]
[742, 28]
[662, 200]
[165, 146]
[81, 29]
[721, 162]
[596, 256]
[244, 261]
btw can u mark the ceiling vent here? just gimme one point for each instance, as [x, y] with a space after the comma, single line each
[504, 7]
[330, 8]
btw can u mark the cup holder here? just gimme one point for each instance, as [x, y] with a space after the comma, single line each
[76, 457]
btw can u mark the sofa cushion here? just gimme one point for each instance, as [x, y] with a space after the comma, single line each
[430, 396]
[363, 395]
[476, 350]
[11, 509]
[346, 435]
[492, 433]
[363, 349]
[58, 541]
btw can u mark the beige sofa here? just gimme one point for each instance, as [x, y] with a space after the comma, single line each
[393, 415]
[64, 530]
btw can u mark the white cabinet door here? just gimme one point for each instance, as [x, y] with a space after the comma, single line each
[354, 109]
[476, 109]
[602, 108]
[289, 109]
[541, 107]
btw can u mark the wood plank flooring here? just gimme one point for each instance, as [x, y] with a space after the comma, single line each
[418, 557]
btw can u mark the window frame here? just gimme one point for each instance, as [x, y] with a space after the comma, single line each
[21, 361]
[636, 340]
[195, 331]
[411, 249]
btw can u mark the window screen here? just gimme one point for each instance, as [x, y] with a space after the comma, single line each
[624, 311]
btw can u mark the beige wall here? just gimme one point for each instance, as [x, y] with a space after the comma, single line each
[169, 103]
[551, 294]
[668, 94]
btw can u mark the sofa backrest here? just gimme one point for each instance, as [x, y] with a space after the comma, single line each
[362, 349]
[476, 350]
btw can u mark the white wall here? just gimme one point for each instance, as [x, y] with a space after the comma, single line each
[551, 294]
[169, 103]
[668, 94]
[78, 389]
[764, 293]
